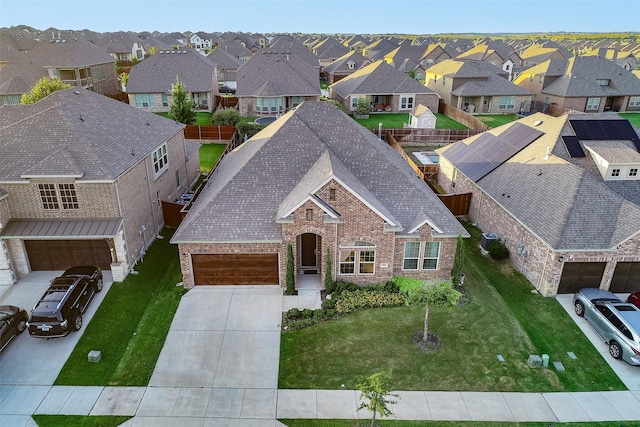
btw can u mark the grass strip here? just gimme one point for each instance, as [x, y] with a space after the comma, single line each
[131, 324]
[79, 420]
[209, 155]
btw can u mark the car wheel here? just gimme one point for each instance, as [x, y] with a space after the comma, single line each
[615, 350]
[77, 322]
[579, 308]
[99, 285]
[22, 325]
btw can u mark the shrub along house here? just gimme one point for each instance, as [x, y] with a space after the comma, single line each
[563, 193]
[319, 181]
[81, 181]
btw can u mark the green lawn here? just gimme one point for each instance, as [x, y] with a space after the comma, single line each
[79, 420]
[504, 318]
[209, 155]
[634, 118]
[367, 423]
[202, 118]
[131, 324]
[397, 121]
[247, 119]
[495, 120]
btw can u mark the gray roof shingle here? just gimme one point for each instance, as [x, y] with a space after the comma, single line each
[272, 172]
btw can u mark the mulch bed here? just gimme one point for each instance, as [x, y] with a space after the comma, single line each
[429, 346]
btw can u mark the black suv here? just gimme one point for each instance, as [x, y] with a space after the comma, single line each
[60, 309]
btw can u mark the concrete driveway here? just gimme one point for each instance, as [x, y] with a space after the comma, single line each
[630, 375]
[35, 361]
[223, 337]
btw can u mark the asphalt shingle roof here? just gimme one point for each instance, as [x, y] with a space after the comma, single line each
[274, 170]
[78, 132]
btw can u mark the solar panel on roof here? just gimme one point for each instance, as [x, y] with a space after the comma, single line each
[489, 151]
[572, 144]
[605, 130]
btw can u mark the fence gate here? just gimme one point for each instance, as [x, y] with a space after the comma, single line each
[458, 204]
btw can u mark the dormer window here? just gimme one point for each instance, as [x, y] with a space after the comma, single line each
[603, 82]
[351, 65]
[615, 172]
[633, 172]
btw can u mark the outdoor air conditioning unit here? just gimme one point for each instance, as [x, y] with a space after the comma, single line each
[486, 240]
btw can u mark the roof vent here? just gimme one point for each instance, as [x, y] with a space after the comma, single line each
[77, 92]
[537, 122]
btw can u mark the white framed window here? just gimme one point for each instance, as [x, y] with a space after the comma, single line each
[406, 102]
[593, 104]
[144, 100]
[603, 82]
[98, 73]
[615, 172]
[9, 99]
[421, 256]
[634, 101]
[358, 259]
[354, 102]
[430, 255]
[411, 255]
[165, 100]
[633, 172]
[55, 197]
[296, 100]
[160, 160]
[507, 103]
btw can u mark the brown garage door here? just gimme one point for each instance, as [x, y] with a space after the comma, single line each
[577, 275]
[235, 269]
[626, 277]
[62, 254]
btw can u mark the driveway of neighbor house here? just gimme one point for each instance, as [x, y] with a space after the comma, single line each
[629, 375]
[29, 361]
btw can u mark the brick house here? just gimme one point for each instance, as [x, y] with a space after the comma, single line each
[150, 81]
[81, 180]
[588, 84]
[563, 193]
[386, 88]
[319, 181]
[346, 65]
[476, 87]
[275, 81]
[76, 62]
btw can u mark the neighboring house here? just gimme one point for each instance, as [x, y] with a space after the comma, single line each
[377, 49]
[537, 53]
[358, 204]
[235, 49]
[436, 53]
[386, 89]
[273, 82]
[201, 41]
[285, 45]
[563, 194]
[588, 84]
[626, 60]
[498, 54]
[227, 65]
[328, 50]
[123, 46]
[356, 43]
[82, 178]
[476, 87]
[346, 65]
[150, 81]
[77, 63]
[422, 117]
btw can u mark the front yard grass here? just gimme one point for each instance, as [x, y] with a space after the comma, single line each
[495, 120]
[131, 324]
[505, 318]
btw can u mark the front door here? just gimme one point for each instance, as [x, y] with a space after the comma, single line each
[309, 251]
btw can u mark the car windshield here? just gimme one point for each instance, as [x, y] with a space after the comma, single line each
[598, 300]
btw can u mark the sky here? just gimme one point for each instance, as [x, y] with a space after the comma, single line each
[328, 16]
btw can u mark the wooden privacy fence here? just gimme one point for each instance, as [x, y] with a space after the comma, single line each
[392, 142]
[215, 133]
[442, 136]
[226, 101]
[462, 117]
[458, 204]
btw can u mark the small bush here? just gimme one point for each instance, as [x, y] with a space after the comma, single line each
[330, 314]
[329, 304]
[498, 250]
[307, 313]
[356, 300]
[225, 117]
[342, 286]
[248, 129]
[318, 314]
[391, 287]
[293, 314]
[414, 290]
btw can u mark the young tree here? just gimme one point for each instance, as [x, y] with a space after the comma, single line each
[291, 271]
[363, 107]
[439, 294]
[458, 263]
[375, 394]
[181, 109]
[43, 88]
[328, 273]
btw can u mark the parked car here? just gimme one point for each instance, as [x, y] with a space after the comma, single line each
[617, 322]
[60, 309]
[13, 321]
[634, 299]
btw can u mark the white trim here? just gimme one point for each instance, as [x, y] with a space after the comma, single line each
[315, 202]
[430, 223]
[51, 176]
